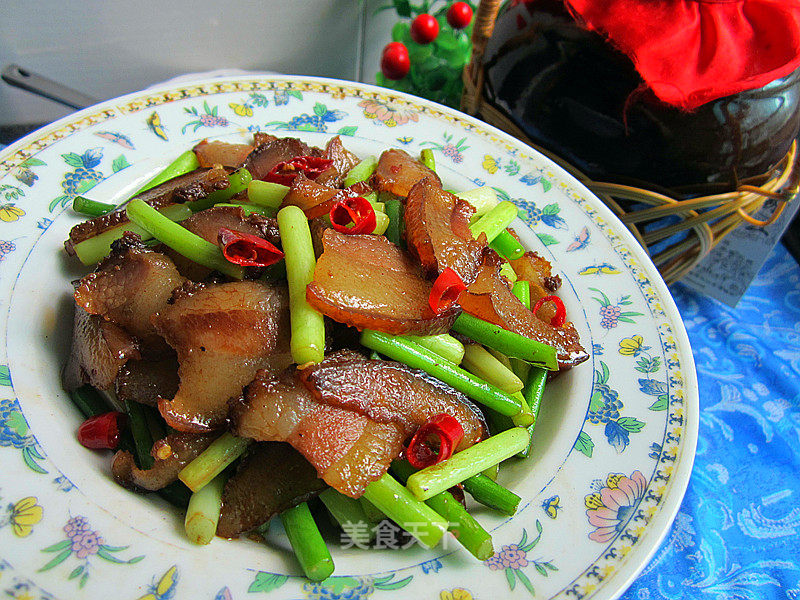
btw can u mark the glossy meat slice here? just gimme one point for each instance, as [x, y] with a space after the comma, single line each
[207, 224]
[171, 454]
[390, 392]
[223, 334]
[221, 153]
[129, 286]
[99, 350]
[437, 231]
[315, 199]
[186, 188]
[490, 298]
[343, 161]
[368, 282]
[398, 172]
[538, 272]
[270, 479]
[348, 449]
[146, 381]
[270, 150]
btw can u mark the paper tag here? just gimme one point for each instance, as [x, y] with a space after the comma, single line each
[727, 271]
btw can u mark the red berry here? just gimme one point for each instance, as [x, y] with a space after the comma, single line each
[459, 15]
[395, 62]
[101, 431]
[424, 29]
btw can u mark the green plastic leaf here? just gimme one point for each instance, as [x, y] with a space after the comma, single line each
[584, 444]
[403, 7]
[631, 424]
[546, 239]
[57, 560]
[267, 582]
[120, 163]
[661, 404]
[72, 159]
[5, 375]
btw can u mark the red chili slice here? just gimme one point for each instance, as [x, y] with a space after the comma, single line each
[311, 166]
[561, 313]
[355, 210]
[443, 431]
[247, 250]
[101, 431]
[446, 290]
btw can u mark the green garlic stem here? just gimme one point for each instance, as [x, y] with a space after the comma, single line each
[213, 460]
[180, 239]
[509, 343]
[307, 542]
[416, 517]
[185, 163]
[361, 172]
[417, 357]
[202, 514]
[307, 324]
[266, 193]
[96, 248]
[467, 463]
[495, 221]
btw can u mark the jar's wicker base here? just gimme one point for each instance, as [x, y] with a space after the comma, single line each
[678, 229]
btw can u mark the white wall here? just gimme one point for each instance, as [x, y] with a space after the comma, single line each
[112, 47]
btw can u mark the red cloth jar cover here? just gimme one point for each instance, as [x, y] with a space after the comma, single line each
[689, 52]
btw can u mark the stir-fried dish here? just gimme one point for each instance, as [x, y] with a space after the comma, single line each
[273, 329]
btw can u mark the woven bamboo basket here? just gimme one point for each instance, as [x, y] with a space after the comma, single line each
[702, 220]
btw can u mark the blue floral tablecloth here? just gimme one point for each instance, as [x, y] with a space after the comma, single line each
[737, 535]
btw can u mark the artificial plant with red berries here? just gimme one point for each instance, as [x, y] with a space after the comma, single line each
[430, 47]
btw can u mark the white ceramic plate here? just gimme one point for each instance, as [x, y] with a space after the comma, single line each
[613, 449]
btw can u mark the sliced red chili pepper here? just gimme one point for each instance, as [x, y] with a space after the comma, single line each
[247, 250]
[561, 313]
[101, 431]
[446, 290]
[311, 166]
[355, 210]
[434, 441]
